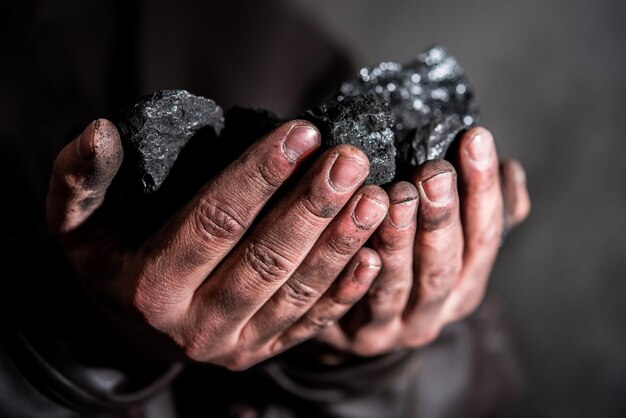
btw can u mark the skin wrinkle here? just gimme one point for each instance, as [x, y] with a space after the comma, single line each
[265, 263]
[318, 212]
[433, 220]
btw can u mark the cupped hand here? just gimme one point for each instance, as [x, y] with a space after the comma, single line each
[218, 282]
[437, 245]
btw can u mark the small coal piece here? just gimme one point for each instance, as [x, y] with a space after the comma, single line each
[362, 120]
[155, 130]
[431, 101]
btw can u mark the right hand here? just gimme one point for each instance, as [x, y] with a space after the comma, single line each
[222, 286]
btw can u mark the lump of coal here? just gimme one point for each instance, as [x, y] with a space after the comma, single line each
[365, 121]
[399, 114]
[155, 130]
[431, 102]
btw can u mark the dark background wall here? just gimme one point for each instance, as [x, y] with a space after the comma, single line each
[551, 81]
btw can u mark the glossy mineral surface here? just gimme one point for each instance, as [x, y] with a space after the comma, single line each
[155, 130]
[431, 102]
[400, 115]
[365, 121]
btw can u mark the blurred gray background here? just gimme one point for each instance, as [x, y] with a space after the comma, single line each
[550, 77]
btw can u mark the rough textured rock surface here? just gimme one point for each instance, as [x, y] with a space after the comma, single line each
[400, 115]
[155, 130]
[431, 102]
[364, 121]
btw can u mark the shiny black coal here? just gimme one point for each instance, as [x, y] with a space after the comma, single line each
[400, 115]
[156, 129]
[364, 121]
[431, 101]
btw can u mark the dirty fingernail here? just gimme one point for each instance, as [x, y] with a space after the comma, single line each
[300, 141]
[402, 214]
[438, 188]
[368, 212]
[346, 173]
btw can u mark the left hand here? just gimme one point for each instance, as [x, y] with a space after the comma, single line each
[436, 265]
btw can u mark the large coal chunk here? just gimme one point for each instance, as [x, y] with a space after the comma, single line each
[362, 120]
[155, 130]
[431, 101]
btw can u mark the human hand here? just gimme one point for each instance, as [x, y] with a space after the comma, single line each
[216, 283]
[436, 265]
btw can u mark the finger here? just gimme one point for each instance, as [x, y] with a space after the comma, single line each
[337, 245]
[393, 241]
[81, 174]
[517, 201]
[277, 245]
[438, 245]
[189, 247]
[347, 290]
[482, 214]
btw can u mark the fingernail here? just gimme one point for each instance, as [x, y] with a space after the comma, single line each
[480, 148]
[301, 140]
[368, 212]
[438, 188]
[346, 173]
[402, 214]
[86, 141]
[365, 272]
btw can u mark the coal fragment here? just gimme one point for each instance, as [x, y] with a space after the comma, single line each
[400, 115]
[155, 130]
[362, 120]
[430, 98]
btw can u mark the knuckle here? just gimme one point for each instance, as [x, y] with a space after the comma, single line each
[438, 218]
[215, 220]
[343, 245]
[319, 207]
[268, 173]
[390, 294]
[266, 262]
[300, 294]
[393, 243]
[441, 279]
[345, 298]
[490, 235]
[316, 324]
[484, 178]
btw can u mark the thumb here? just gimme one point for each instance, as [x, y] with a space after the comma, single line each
[81, 174]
